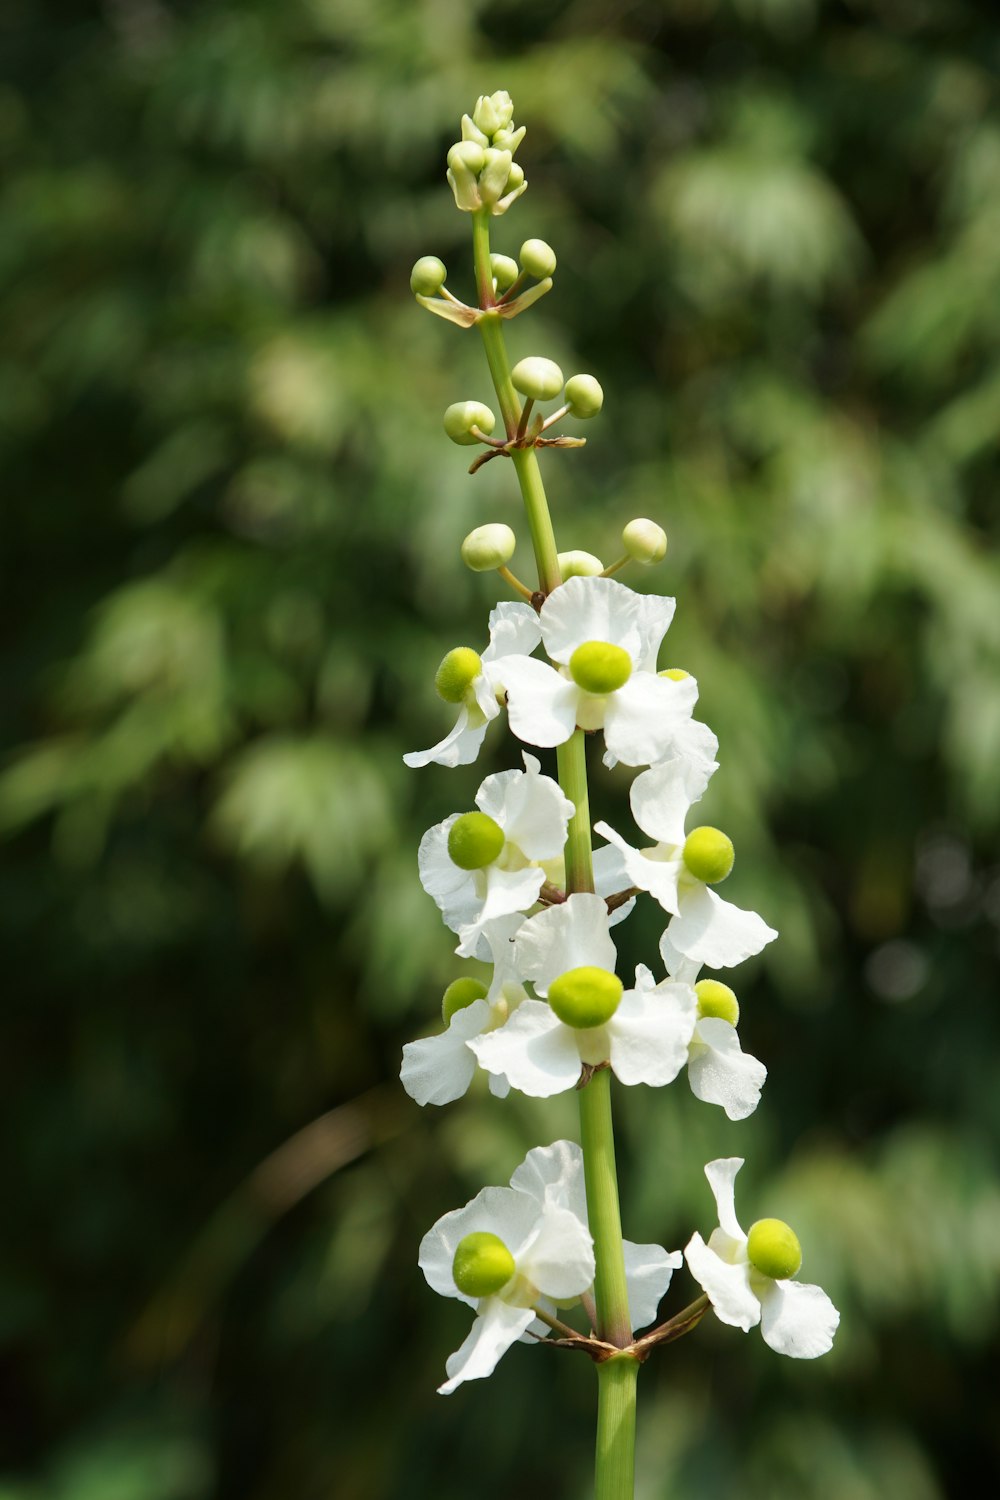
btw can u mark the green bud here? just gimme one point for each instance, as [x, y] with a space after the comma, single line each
[488, 547]
[708, 854]
[493, 112]
[471, 132]
[599, 667]
[475, 841]
[509, 139]
[457, 672]
[584, 395]
[459, 994]
[585, 997]
[493, 177]
[505, 271]
[515, 178]
[717, 1000]
[483, 1265]
[538, 258]
[467, 156]
[774, 1249]
[428, 276]
[465, 162]
[539, 378]
[645, 542]
[676, 674]
[462, 416]
[579, 565]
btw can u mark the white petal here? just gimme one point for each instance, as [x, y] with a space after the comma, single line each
[655, 614]
[453, 889]
[484, 691]
[592, 609]
[507, 891]
[727, 1286]
[512, 1216]
[497, 1326]
[499, 936]
[796, 1319]
[541, 705]
[676, 965]
[715, 932]
[439, 1069]
[648, 1269]
[459, 747]
[721, 1175]
[610, 877]
[662, 796]
[535, 1052]
[658, 875]
[560, 1260]
[554, 1175]
[514, 631]
[641, 718]
[532, 810]
[720, 1072]
[650, 1032]
[571, 935]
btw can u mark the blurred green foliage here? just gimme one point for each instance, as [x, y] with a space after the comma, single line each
[231, 545]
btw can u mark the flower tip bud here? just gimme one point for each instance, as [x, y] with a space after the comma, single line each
[645, 541]
[488, 547]
[538, 258]
[539, 378]
[493, 112]
[482, 1265]
[585, 997]
[475, 840]
[708, 854]
[457, 672]
[717, 1000]
[505, 271]
[584, 395]
[773, 1249]
[459, 994]
[598, 667]
[462, 416]
[428, 276]
[579, 565]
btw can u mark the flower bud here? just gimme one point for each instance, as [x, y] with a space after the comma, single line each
[428, 276]
[579, 565]
[585, 997]
[774, 1249]
[462, 416]
[708, 854]
[644, 541]
[459, 994]
[465, 162]
[475, 840]
[505, 271]
[488, 547]
[483, 1265]
[493, 177]
[457, 672]
[539, 378]
[509, 139]
[584, 395]
[538, 258]
[467, 156]
[515, 177]
[676, 674]
[717, 1000]
[599, 667]
[493, 112]
[471, 132]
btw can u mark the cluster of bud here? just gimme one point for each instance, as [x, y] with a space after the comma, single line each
[482, 172]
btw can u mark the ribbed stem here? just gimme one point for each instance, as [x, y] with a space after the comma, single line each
[615, 1459]
[598, 1141]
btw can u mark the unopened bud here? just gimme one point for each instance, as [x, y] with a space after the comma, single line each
[467, 156]
[475, 840]
[488, 547]
[459, 994]
[645, 541]
[471, 132]
[428, 276]
[538, 258]
[465, 162]
[717, 1001]
[774, 1249]
[579, 565]
[708, 854]
[599, 667]
[462, 416]
[584, 395]
[539, 378]
[493, 177]
[505, 271]
[585, 997]
[483, 1265]
[493, 112]
[509, 139]
[457, 672]
[515, 177]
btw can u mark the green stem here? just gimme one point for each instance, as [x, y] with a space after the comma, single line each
[615, 1464]
[598, 1142]
[571, 759]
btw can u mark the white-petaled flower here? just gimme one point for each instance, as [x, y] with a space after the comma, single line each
[438, 1069]
[488, 864]
[553, 1175]
[680, 869]
[747, 1277]
[514, 631]
[567, 952]
[601, 634]
[719, 1071]
[502, 1254]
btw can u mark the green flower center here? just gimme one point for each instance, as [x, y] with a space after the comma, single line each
[459, 994]
[708, 854]
[585, 997]
[676, 674]
[475, 841]
[482, 1264]
[457, 673]
[599, 667]
[774, 1249]
[715, 999]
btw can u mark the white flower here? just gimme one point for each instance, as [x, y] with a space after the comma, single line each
[568, 954]
[514, 631]
[439, 1069]
[795, 1319]
[522, 821]
[549, 1254]
[554, 1175]
[602, 635]
[705, 928]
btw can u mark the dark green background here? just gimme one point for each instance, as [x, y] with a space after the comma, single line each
[231, 525]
